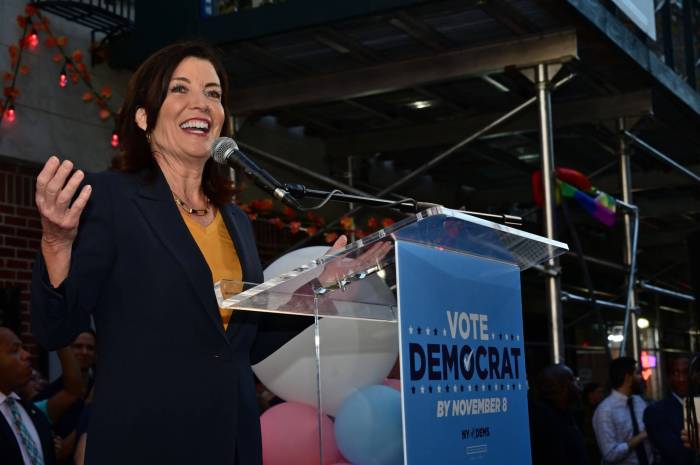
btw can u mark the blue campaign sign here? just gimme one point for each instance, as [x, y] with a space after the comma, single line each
[462, 359]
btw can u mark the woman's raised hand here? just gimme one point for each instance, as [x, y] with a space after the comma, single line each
[55, 188]
[54, 191]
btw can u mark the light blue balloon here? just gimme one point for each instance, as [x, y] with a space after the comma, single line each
[368, 427]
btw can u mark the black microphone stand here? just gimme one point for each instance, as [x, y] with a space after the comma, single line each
[299, 191]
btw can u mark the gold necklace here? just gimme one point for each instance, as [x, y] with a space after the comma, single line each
[191, 211]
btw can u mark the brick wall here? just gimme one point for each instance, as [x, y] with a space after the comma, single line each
[20, 235]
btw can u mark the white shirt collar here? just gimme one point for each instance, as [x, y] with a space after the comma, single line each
[3, 397]
[678, 398]
[619, 395]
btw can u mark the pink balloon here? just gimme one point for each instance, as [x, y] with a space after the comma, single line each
[290, 436]
[393, 383]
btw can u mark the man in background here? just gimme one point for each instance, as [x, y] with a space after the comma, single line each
[618, 421]
[664, 419]
[25, 436]
[555, 438]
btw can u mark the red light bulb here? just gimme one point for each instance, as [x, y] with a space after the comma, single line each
[63, 78]
[10, 114]
[115, 140]
[33, 39]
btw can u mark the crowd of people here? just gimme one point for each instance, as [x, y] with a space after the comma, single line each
[570, 424]
[44, 423]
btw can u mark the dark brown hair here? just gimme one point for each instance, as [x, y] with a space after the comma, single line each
[147, 89]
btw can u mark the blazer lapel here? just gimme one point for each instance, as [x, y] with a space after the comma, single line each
[156, 203]
[8, 443]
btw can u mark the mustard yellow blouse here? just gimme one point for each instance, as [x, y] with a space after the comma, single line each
[216, 245]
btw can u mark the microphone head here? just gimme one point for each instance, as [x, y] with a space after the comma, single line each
[221, 149]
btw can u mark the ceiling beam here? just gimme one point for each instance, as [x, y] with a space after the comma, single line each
[374, 79]
[421, 31]
[345, 45]
[440, 133]
[507, 15]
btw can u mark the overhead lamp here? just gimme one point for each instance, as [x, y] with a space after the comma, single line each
[420, 104]
[642, 323]
[528, 157]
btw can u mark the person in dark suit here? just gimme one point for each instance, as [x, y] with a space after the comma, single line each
[555, 438]
[664, 419]
[139, 249]
[25, 436]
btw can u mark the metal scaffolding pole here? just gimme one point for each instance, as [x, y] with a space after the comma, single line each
[626, 187]
[552, 280]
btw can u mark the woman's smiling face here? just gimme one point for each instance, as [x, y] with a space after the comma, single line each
[192, 114]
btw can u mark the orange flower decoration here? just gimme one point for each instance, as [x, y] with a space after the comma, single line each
[50, 42]
[386, 222]
[330, 237]
[61, 40]
[277, 221]
[311, 230]
[294, 227]
[11, 92]
[30, 10]
[14, 51]
[7, 76]
[106, 92]
[57, 57]
[77, 56]
[24, 69]
[289, 212]
[87, 96]
[346, 223]
[21, 21]
[104, 114]
[372, 222]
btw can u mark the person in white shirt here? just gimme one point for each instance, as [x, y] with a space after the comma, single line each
[25, 437]
[618, 421]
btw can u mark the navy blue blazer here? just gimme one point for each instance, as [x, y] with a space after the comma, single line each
[172, 386]
[664, 422]
[9, 449]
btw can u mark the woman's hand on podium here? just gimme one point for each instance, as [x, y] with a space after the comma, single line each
[55, 188]
[343, 267]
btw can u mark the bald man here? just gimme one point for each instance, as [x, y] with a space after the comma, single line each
[25, 437]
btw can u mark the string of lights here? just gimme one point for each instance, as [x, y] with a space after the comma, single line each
[72, 68]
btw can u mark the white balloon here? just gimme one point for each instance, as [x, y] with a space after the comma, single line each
[354, 353]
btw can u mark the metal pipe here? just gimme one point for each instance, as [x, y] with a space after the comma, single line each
[630, 248]
[578, 298]
[663, 291]
[661, 156]
[552, 282]
[631, 306]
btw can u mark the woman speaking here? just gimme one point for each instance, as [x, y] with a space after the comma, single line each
[139, 248]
